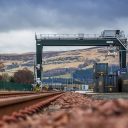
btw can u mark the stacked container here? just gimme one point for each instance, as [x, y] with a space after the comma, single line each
[123, 84]
[104, 82]
[111, 83]
[100, 76]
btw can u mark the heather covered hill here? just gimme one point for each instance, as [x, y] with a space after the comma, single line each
[56, 63]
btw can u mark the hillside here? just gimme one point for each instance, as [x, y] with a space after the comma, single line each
[75, 58]
[58, 63]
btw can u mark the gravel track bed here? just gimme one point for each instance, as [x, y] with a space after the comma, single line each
[74, 110]
[108, 96]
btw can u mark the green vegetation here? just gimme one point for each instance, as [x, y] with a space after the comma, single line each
[63, 76]
[21, 76]
[67, 76]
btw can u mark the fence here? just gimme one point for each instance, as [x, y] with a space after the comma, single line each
[10, 86]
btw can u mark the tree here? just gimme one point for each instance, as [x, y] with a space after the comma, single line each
[24, 76]
[5, 77]
[12, 79]
[2, 65]
[0, 77]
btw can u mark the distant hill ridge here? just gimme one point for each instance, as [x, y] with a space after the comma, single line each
[55, 62]
[45, 52]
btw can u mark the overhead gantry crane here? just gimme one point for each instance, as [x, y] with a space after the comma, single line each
[107, 38]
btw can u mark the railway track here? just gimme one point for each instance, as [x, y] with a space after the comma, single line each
[71, 110]
[16, 94]
[29, 104]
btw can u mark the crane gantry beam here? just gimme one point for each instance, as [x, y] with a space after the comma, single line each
[78, 40]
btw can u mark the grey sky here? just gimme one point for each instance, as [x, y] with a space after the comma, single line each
[20, 19]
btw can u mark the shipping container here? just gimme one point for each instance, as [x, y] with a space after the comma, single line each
[111, 83]
[100, 69]
[99, 84]
[85, 87]
[123, 82]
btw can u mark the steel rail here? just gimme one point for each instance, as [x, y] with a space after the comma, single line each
[14, 104]
[16, 94]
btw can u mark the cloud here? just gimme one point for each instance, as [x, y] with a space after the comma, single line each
[17, 41]
[55, 14]
[25, 17]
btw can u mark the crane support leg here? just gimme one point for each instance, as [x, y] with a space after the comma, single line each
[38, 59]
[122, 57]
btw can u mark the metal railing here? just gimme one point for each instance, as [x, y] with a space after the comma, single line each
[121, 39]
[74, 36]
[67, 36]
